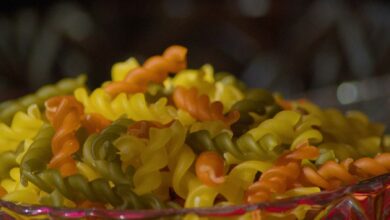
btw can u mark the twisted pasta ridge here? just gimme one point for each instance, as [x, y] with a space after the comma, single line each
[331, 174]
[353, 129]
[256, 101]
[200, 107]
[94, 123]
[243, 148]
[121, 69]
[8, 161]
[202, 79]
[153, 158]
[38, 155]
[233, 189]
[65, 114]
[23, 126]
[134, 107]
[77, 188]
[63, 87]
[155, 69]
[16, 192]
[209, 168]
[100, 153]
[136, 149]
[289, 128]
[180, 161]
[282, 176]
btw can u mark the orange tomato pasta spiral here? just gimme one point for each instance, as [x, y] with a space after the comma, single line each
[332, 174]
[281, 177]
[94, 122]
[209, 168]
[65, 115]
[155, 69]
[200, 107]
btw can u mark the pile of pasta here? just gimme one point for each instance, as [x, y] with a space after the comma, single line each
[160, 135]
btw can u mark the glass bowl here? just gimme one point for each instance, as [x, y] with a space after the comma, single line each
[369, 199]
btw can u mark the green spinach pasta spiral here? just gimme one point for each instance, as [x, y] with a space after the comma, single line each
[257, 101]
[242, 148]
[101, 154]
[78, 188]
[39, 153]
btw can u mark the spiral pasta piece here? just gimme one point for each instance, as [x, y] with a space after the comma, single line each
[94, 123]
[256, 101]
[16, 192]
[332, 174]
[65, 114]
[134, 106]
[233, 189]
[155, 157]
[243, 148]
[23, 126]
[77, 188]
[282, 176]
[289, 128]
[100, 153]
[209, 168]
[222, 90]
[155, 69]
[200, 107]
[353, 131]
[63, 87]
[38, 155]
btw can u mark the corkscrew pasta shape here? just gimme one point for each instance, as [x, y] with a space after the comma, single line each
[65, 114]
[256, 101]
[101, 154]
[134, 106]
[200, 107]
[23, 126]
[78, 188]
[281, 177]
[155, 69]
[38, 155]
[203, 80]
[331, 174]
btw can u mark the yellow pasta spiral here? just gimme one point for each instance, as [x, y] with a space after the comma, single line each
[133, 106]
[23, 126]
[288, 127]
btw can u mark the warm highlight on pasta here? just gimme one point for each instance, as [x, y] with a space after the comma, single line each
[160, 135]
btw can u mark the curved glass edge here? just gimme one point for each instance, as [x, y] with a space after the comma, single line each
[359, 200]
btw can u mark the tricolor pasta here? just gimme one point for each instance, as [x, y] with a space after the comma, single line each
[160, 135]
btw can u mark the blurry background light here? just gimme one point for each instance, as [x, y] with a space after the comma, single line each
[347, 93]
[254, 8]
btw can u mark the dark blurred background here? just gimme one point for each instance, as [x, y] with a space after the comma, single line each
[335, 52]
